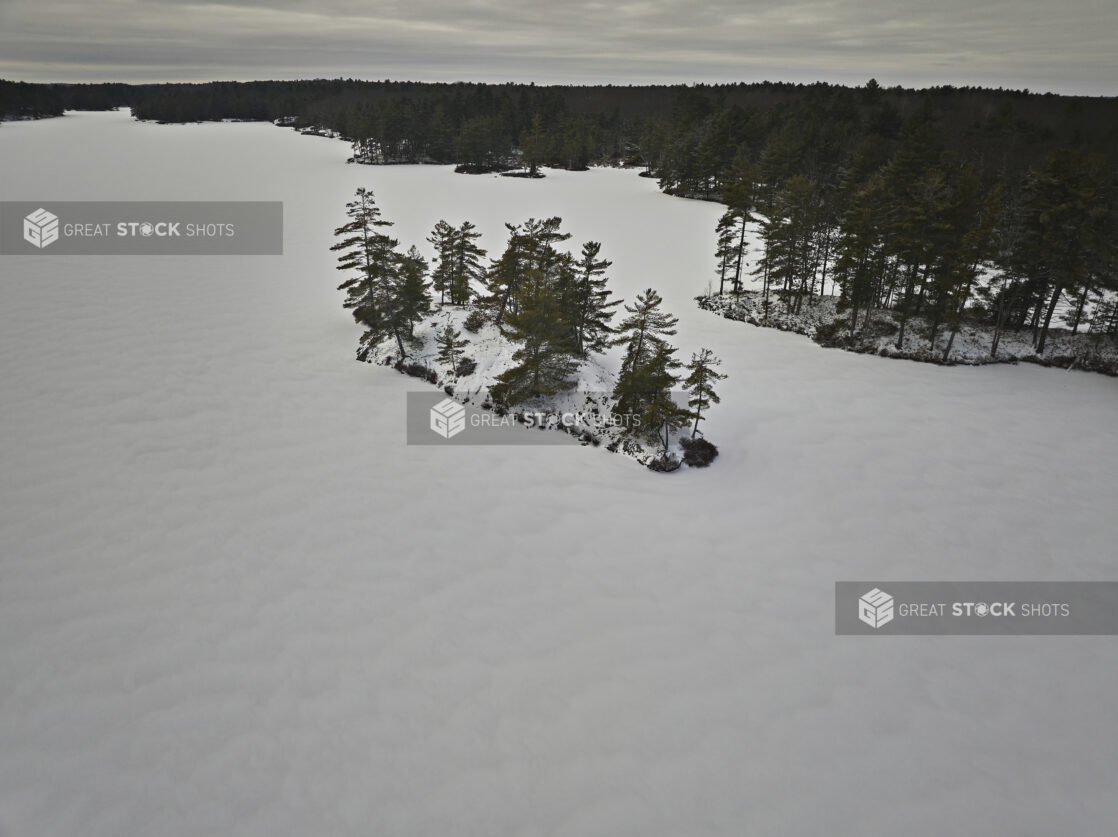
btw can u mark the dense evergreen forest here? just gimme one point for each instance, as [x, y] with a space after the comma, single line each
[902, 199]
[690, 134]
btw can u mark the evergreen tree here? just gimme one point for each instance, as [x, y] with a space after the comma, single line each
[739, 196]
[826, 232]
[503, 275]
[465, 265]
[779, 159]
[727, 252]
[859, 254]
[791, 258]
[532, 144]
[368, 253]
[916, 196]
[442, 237]
[540, 238]
[412, 289]
[450, 347]
[531, 246]
[590, 307]
[969, 244]
[646, 329]
[545, 359]
[1000, 296]
[700, 382]
[659, 414]
[1070, 221]
[575, 150]
[401, 300]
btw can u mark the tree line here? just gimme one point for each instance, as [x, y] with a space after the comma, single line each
[554, 306]
[926, 234]
[689, 136]
[23, 100]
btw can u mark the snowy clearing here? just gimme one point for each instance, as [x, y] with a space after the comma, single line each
[233, 601]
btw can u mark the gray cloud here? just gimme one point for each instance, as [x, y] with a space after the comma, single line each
[1066, 47]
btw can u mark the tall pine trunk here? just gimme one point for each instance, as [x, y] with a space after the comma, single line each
[999, 324]
[1048, 318]
[1079, 311]
[826, 258]
[741, 258]
[906, 301]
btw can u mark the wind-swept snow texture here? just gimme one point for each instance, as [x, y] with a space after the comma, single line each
[232, 601]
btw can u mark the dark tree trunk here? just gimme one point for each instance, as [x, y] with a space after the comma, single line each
[910, 284]
[1079, 311]
[1048, 318]
[999, 324]
[741, 258]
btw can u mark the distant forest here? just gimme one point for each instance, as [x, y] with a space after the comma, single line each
[690, 134]
[902, 198]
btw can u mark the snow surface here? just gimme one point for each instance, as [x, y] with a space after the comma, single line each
[971, 345]
[232, 601]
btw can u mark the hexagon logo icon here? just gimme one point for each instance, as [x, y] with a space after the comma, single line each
[448, 418]
[40, 228]
[875, 608]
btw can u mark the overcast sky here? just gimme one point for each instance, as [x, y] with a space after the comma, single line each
[1065, 46]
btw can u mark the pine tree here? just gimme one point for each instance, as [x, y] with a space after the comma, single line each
[970, 243]
[503, 275]
[701, 383]
[400, 299]
[779, 159]
[915, 198]
[726, 251]
[1104, 318]
[532, 144]
[450, 347]
[442, 237]
[530, 246]
[590, 307]
[859, 253]
[646, 329]
[545, 358]
[1070, 219]
[659, 414]
[465, 266]
[367, 252]
[791, 258]
[540, 239]
[740, 195]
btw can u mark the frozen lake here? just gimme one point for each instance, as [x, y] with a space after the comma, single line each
[233, 601]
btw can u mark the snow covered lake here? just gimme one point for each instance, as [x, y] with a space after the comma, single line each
[232, 601]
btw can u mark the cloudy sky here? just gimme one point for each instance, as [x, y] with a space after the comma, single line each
[1065, 46]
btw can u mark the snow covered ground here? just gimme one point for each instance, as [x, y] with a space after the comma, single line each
[232, 601]
[971, 345]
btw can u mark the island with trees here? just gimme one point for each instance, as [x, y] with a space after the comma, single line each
[538, 316]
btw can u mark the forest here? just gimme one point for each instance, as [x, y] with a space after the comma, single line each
[944, 203]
